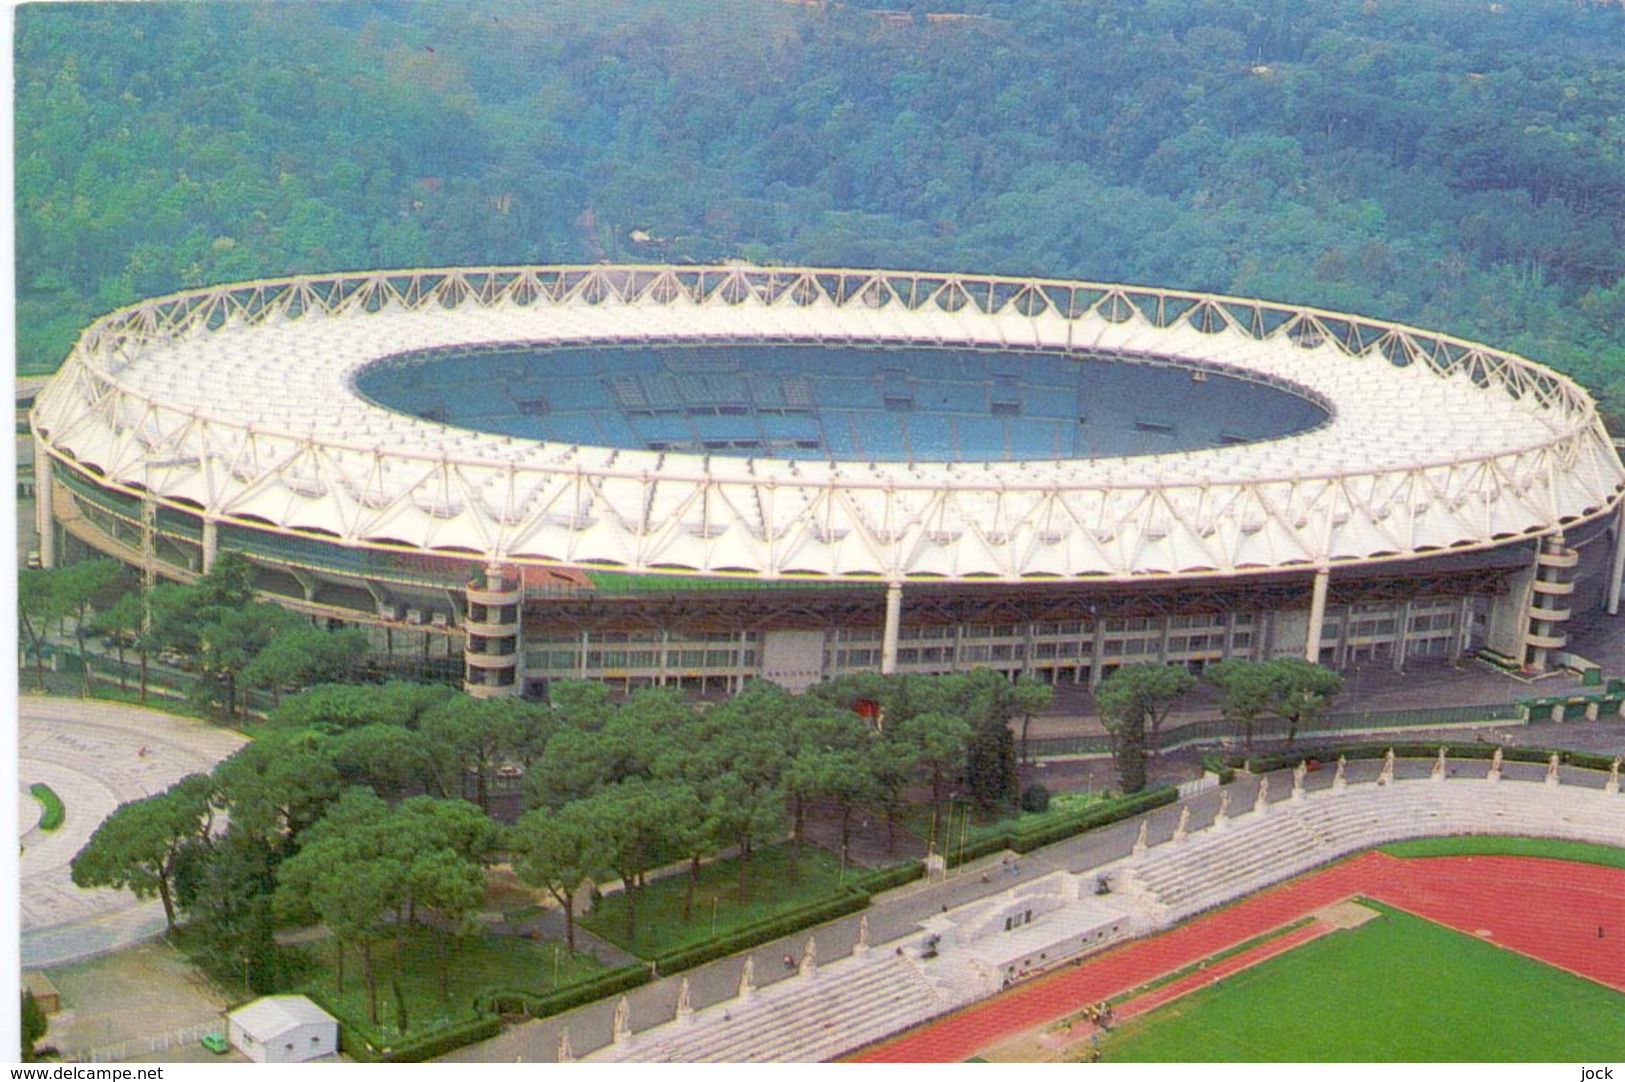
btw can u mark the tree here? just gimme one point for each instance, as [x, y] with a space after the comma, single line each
[1149, 688]
[124, 620]
[39, 604]
[35, 1022]
[940, 742]
[138, 847]
[332, 708]
[1300, 690]
[444, 846]
[558, 851]
[347, 874]
[277, 786]
[389, 758]
[1245, 691]
[302, 655]
[473, 736]
[990, 763]
[83, 587]
[225, 886]
[635, 821]
[229, 638]
[581, 704]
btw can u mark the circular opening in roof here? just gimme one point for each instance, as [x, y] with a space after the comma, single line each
[810, 401]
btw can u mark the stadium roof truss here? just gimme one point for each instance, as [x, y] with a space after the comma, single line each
[238, 403]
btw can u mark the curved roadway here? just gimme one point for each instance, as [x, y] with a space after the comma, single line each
[96, 756]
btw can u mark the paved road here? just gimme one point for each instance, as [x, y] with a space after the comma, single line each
[95, 755]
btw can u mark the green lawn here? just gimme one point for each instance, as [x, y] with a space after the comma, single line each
[769, 890]
[479, 963]
[1494, 845]
[1398, 989]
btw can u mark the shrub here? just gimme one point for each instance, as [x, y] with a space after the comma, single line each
[765, 931]
[1035, 798]
[508, 1001]
[54, 813]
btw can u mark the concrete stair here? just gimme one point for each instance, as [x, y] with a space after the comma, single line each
[797, 1020]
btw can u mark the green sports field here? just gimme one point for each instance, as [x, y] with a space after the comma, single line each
[1394, 989]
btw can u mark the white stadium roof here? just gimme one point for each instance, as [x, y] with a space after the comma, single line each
[237, 402]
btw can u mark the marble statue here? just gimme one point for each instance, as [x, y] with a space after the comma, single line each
[1613, 777]
[685, 1005]
[623, 1022]
[1139, 840]
[809, 958]
[1551, 770]
[1262, 801]
[747, 977]
[566, 1053]
[1184, 823]
[1338, 779]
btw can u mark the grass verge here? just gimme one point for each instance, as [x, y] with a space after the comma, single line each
[475, 964]
[718, 909]
[1497, 845]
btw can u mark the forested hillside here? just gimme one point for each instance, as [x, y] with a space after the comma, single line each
[1460, 165]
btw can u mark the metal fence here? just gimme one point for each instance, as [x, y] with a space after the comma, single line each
[1214, 730]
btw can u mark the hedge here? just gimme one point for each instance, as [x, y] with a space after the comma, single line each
[54, 813]
[983, 846]
[889, 878]
[1218, 763]
[411, 1049]
[508, 1001]
[848, 901]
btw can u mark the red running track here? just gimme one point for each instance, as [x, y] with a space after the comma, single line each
[1548, 909]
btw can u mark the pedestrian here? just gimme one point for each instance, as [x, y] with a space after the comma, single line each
[789, 962]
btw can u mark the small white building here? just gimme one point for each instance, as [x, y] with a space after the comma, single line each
[283, 1029]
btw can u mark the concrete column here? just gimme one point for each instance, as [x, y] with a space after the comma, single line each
[1614, 576]
[1464, 629]
[1404, 628]
[1317, 615]
[211, 546]
[894, 621]
[44, 499]
[1097, 663]
[1343, 639]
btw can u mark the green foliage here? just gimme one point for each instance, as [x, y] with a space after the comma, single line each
[1133, 701]
[52, 813]
[1025, 838]
[1035, 798]
[747, 936]
[606, 984]
[1493, 845]
[138, 847]
[35, 1022]
[1365, 159]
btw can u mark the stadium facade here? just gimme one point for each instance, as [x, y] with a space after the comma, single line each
[701, 475]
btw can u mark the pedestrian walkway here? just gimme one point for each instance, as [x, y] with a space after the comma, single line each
[95, 755]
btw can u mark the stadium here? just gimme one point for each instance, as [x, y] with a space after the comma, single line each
[696, 476]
